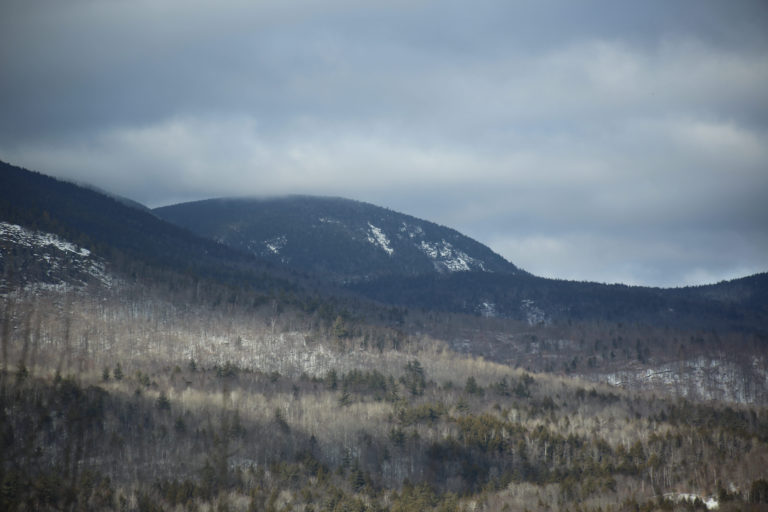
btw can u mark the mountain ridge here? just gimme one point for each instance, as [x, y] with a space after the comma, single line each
[349, 248]
[369, 241]
[358, 244]
[122, 232]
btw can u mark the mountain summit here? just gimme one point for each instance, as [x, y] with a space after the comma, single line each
[340, 238]
[400, 260]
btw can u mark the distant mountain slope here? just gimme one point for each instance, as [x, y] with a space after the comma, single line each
[741, 304]
[400, 260]
[346, 240]
[121, 233]
[50, 225]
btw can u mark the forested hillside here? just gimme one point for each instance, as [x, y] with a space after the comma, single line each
[122, 399]
[408, 262]
[340, 239]
[736, 305]
[129, 237]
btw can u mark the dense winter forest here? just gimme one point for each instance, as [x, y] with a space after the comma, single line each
[190, 397]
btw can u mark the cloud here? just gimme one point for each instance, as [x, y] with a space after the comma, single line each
[545, 129]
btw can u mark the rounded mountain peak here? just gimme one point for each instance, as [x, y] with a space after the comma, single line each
[341, 238]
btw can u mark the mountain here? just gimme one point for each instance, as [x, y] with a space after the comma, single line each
[54, 232]
[345, 240]
[120, 231]
[733, 305]
[400, 260]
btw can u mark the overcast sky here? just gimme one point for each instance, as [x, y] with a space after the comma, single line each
[593, 140]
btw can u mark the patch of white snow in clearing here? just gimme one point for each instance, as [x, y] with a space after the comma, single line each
[276, 244]
[411, 230]
[447, 258]
[26, 238]
[377, 237]
[63, 264]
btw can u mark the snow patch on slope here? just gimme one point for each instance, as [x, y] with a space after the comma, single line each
[377, 237]
[276, 244]
[446, 258]
[487, 309]
[412, 231]
[710, 502]
[37, 239]
[60, 262]
[534, 315]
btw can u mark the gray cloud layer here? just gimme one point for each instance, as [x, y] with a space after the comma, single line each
[611, 141]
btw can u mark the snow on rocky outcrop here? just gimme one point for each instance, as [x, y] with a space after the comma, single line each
[412, 231]
[447, 258]
[377, 237]
[274, 245]
[710, 502]
[534, 315]
[487, 309]
[57, 262]
[23, 237]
